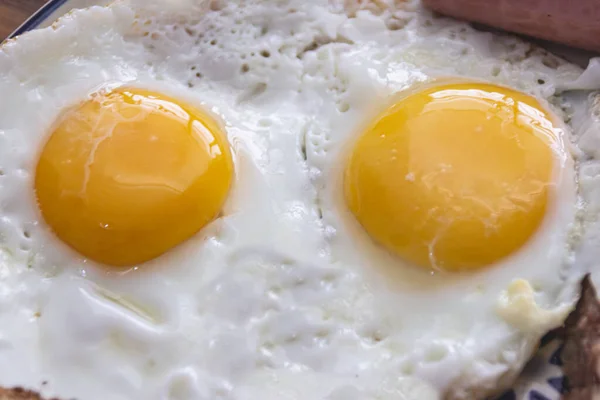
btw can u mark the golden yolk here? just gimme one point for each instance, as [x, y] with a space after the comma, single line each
[454, 177]
[129, 174]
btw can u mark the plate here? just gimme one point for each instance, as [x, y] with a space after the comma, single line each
[542, 378]
[53, 10]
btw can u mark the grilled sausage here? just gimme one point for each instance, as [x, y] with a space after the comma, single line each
[575, 23]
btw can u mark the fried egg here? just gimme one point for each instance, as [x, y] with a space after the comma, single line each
[287, 199]
[129, 174]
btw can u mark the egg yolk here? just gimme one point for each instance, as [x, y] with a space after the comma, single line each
[129, 174]
[453, 177]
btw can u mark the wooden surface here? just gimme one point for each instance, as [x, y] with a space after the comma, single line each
[14, 12]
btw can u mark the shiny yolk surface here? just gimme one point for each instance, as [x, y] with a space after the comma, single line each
[454, 177]
[129, 174]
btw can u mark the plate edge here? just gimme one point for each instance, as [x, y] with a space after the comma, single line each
[38, 17]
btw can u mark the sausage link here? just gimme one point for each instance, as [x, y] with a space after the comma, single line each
[575, 23]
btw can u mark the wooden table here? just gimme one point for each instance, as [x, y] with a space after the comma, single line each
[14, 12]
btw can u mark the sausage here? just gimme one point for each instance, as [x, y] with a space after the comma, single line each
[575, 23]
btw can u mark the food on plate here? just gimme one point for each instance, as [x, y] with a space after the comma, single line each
[194, 194]
[457, 176]
[128, 174]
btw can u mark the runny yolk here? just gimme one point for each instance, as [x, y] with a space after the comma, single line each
[129, 174]
[454, 177]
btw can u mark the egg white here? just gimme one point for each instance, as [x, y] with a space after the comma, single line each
[282, 296]
[496, 314]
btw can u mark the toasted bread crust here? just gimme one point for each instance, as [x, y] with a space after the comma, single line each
[581, 351]
[19, 394]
